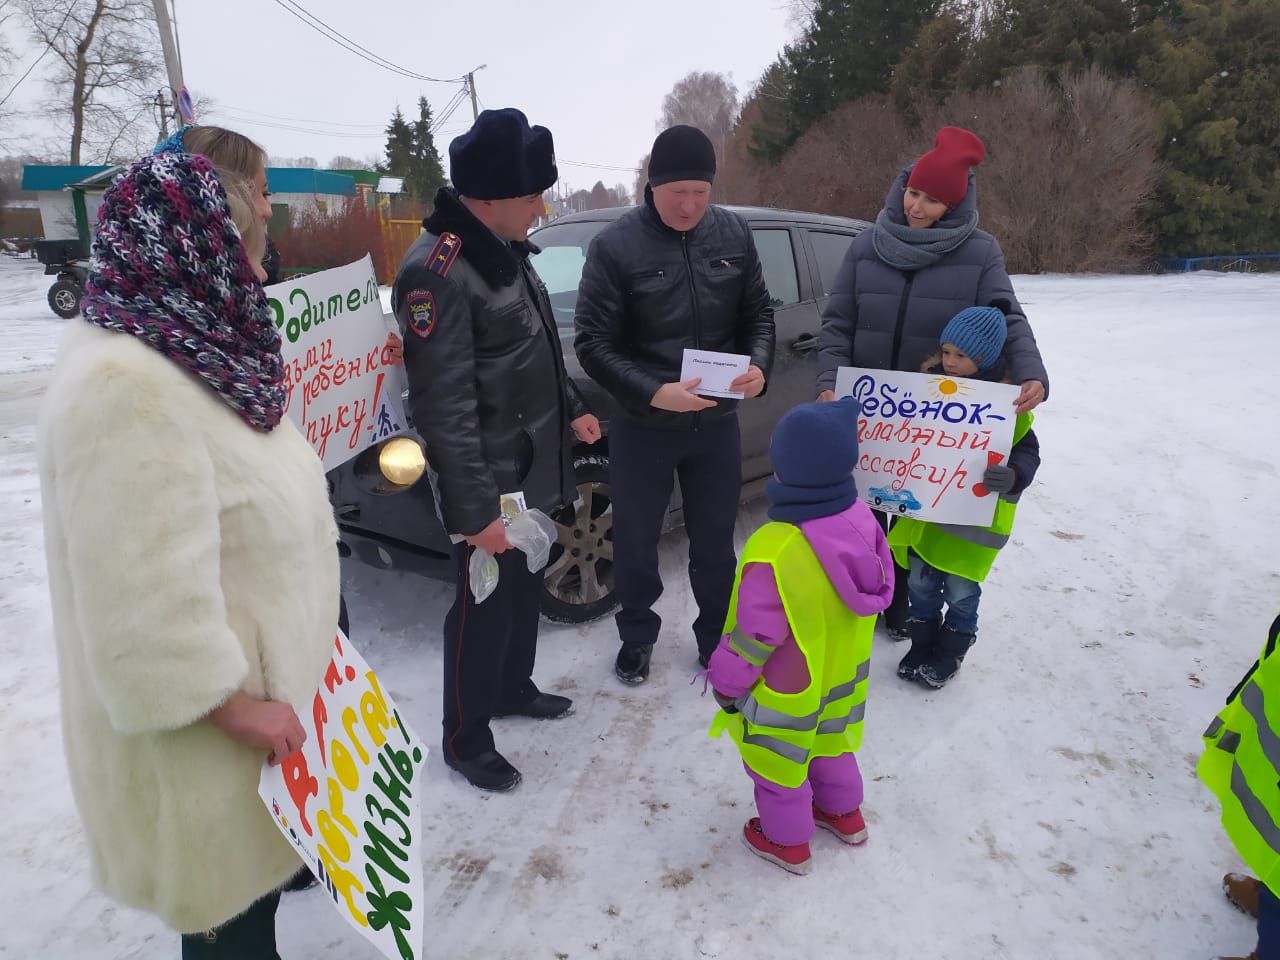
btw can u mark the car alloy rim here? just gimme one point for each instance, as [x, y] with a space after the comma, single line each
[583, 573]
[65, 299]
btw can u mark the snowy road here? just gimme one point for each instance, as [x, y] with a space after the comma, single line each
[1044, 805]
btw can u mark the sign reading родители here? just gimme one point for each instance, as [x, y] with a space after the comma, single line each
[343, 381]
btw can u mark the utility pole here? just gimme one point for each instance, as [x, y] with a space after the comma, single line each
[172, 66]
[471, 86]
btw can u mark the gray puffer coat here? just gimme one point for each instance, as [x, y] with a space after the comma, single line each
[889, 319]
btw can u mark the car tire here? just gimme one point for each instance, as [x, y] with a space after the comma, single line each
[64, 298]
[902, 508]
[878, 501]
[578, 580]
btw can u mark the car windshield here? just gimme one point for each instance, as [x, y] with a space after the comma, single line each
[564, 251]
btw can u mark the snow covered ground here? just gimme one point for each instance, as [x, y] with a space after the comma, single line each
[1043, 805]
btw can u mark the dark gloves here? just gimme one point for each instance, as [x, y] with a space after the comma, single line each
[1000, 479]
[727, 704]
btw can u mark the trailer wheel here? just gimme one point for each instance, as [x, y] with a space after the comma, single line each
[64, 298]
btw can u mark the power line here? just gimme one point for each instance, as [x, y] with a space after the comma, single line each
[595, 166]
[331, 123]
[294, 128]
[318, 25]
[451, 106]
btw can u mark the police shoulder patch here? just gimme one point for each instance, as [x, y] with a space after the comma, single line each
[421, 308]
[444, 253]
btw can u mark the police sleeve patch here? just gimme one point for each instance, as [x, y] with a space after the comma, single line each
[421, 308]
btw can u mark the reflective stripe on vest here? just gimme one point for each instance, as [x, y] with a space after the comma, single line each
[779, 733]
[754, 712]
[749, 648]
[967, 552]
[1241, 764]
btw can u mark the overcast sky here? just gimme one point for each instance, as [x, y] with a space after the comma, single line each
[594, 72]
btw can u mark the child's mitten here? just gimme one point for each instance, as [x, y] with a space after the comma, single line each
[1000, 479]
[726, 703]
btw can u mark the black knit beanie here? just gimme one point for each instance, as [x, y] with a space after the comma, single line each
[681, 153]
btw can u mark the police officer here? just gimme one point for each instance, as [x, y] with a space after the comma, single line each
[489, 396]
[675, 274]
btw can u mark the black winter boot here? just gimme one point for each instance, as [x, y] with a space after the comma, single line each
[924, 637]
[945, 661]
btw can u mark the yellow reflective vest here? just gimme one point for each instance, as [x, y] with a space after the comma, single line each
[966, 552]
[1241, 764]
[779, 733]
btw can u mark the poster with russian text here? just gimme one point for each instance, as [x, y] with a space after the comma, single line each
[925, 440]
[350, 803]
[344, 382]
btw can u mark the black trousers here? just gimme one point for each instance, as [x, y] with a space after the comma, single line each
[250, 936]
[489, 650]
[643, 465]
[896, 614]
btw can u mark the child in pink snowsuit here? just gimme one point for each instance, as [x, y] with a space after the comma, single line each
[814, 449]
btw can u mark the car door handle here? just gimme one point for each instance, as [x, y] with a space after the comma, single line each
[805, 343]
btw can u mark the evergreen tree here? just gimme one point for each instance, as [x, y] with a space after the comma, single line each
[428, 176]
[847, 51]
[399, 147]
[1216, 72]
[411, 153]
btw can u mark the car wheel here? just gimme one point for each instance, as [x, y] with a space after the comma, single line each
[902, 508]
[577, 584]
[64, 298]
[878, 501]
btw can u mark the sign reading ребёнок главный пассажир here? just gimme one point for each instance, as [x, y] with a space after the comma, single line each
[925, 440]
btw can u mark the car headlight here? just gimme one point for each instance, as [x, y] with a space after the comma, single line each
[401, 461]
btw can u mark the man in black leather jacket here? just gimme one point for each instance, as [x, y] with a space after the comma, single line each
[489, 396]
[675, 274]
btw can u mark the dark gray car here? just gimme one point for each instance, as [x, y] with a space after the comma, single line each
[386, 513]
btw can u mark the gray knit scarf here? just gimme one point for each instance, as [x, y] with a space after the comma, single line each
[912, 248]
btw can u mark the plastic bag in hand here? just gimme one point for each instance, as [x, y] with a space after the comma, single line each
[531, 532]
[483, 575]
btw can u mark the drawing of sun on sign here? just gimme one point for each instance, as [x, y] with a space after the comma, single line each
[945, 388]
[904, 499]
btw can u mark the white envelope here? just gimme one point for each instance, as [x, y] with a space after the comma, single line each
[717, 371]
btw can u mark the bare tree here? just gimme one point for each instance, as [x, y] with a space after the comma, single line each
[800, 14]
[843, 163]
[708, 101]
[1069, 165]
[7, 61]
[107, 64]
[343, 162]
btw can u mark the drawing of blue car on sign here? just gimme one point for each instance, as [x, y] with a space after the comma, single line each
[904, 499]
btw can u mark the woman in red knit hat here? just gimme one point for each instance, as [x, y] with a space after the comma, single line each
[923, 262]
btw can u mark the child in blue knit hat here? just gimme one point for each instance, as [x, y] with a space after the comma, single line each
[947, 561]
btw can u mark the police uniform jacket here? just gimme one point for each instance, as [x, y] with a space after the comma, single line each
[488, 392]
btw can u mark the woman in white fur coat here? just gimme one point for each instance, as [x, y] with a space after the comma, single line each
[192, 562]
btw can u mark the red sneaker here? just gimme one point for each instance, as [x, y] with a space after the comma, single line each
[794, 858]
[849, 827]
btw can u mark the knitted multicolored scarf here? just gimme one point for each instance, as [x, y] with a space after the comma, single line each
[169, 268]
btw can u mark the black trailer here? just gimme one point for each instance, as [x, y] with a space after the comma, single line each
[68, 260]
